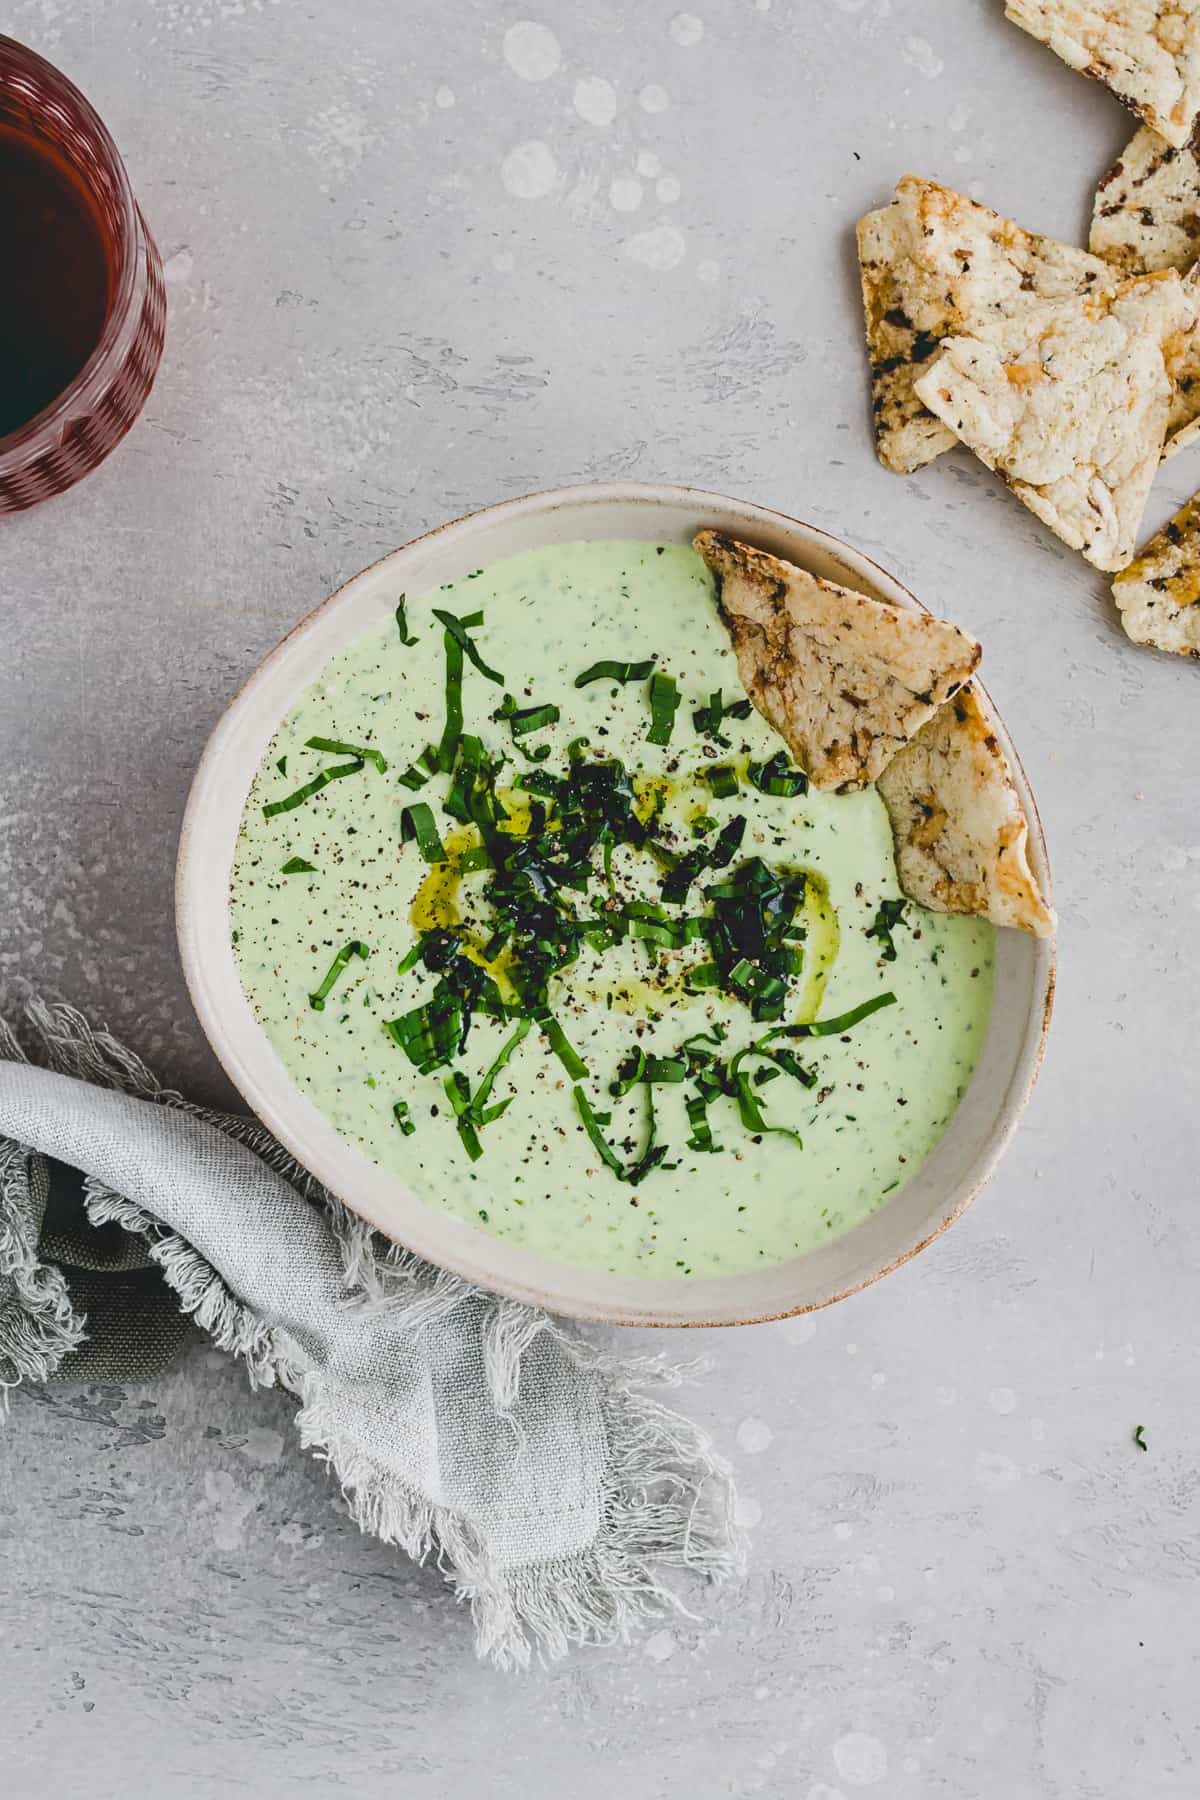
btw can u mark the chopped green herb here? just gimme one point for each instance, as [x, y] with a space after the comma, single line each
[312, 787]
[354, 948]
[702, 1138]
[412, 778]
[722, 779]
[777, 777]
[297, 865]
[664, 704]
[334, 747]
[416, 821]
[890, 914]
[403, 1117]
[458, 630]
[521, 720]
[652, 1154]
[556, 1037]
[1139, 1438]
[402, 621]
[447, 749]
[458, 1092]
[483, 1091]
[592, 1122]
[281, 764]
[615, 671]
[708, 719]
[844, 1021]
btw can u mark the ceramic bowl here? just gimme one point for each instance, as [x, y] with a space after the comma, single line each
[945, 1184]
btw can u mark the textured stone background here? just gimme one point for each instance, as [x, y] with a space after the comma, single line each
[407, 278]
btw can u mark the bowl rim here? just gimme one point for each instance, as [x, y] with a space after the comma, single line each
[220, 1035]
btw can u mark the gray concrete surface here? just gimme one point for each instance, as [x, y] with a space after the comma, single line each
[966, 1582]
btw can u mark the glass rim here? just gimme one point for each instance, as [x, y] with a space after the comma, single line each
[122, 319]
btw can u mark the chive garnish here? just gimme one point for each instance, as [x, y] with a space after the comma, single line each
[334, 747]
[844, 1021]
[458, 630]
[664, 704]
[298, 865]
[401, 1112]
[1139, 1438]
[890, 914]
[354, 948]
[482, 1092]
[416, 821]
[592, 1122]
[702, 1138]
[777, 776]
[472, 1112]
[521, 720]
[458, 1092]
[556, 1037]
[447, 749]
[615, 671]
[281, 764]
[655, 1071]
[708, 719]
[751, 1112]
[312, 787]
[402, 621]
[412, 778]
[651, 1156]
[722, 779]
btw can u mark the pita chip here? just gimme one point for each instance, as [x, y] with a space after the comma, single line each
[845, 680]
[962, 838]
[1146, 51]
[1158, 595]
[935, 264]
[1071, 405]
[1146, 214]
[1146, 217]
[1183, 366]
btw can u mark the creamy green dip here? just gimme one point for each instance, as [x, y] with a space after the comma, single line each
[880, 1095]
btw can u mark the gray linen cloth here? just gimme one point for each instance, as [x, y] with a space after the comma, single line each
[556, 1493]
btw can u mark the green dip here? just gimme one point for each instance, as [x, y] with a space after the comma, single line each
[878, 1096]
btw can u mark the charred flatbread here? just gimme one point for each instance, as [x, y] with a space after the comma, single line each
[1071, 405]
[1158, 595]
[961, 835]
[935, 264]
[1146, 51]
[844, 679]
[1146, 214]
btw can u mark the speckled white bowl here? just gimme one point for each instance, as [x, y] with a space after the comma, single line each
[937, 1194]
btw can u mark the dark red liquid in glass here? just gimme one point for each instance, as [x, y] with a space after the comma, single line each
[56, 279]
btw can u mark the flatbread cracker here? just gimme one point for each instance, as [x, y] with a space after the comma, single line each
[1158, 595]
[1182, 354]
[1146, 214]
[962, 838]
[845, 680]
[935, 264]
[1146, 51]
[1071, 406]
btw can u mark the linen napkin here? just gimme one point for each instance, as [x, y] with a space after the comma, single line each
[558, 1495]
